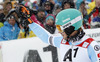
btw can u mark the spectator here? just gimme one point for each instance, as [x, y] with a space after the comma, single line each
[68, 4]
[96, 22]
[59, 2]
[93, 10]
[27, 3]
[51, 1]
[33, 17]
[41, 15]
[57, 9]
[35, 6]
[50, 23]
[29, 33]
[48, 7]
[92, 5]
[7, 7]
[14, 4]
[1, 14]
[83, 9]
[10, 30]
[24, 34]
[78, 2]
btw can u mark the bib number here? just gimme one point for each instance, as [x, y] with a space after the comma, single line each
[68, 54]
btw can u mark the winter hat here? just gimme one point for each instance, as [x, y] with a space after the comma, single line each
[50, 16]
[1, 7]
[10, 17]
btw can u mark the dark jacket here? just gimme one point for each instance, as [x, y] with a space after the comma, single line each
[40, 19]
[9, 32]
[50, 29]
[2, 17]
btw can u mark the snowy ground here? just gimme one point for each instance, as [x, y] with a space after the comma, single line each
[0, 56]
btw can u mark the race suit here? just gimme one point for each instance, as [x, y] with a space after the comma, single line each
[84, 50]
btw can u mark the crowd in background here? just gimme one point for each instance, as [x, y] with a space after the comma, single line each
[44, 14]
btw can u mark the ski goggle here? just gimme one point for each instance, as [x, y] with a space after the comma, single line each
[68, 30]
[69, 24]
[60, 29]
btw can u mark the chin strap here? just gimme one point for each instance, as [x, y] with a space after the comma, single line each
[76, 37]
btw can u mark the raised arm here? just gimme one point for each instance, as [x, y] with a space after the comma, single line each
[45, 36]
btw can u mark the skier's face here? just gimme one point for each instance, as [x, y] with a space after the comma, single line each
[64, 35]
[74, 33]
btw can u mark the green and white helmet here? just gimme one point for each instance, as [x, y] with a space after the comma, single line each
[69, 17]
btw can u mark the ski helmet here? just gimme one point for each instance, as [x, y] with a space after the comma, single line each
[69, 18]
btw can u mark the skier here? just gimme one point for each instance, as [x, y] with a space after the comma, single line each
[74, 45]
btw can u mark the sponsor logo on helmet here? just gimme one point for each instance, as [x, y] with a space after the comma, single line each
[66, 20]
[71, 22]
[65, 26]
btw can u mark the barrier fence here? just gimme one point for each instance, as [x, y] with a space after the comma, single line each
[34, 50]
